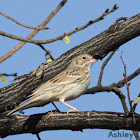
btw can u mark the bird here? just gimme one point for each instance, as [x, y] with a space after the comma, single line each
[67, 85]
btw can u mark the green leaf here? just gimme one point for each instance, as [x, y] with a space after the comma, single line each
[67, 39]
[49, 60]
[136, 100]
[3, 78]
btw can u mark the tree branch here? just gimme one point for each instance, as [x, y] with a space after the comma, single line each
[38, 136]
[53, 13]
[75, 121]
[111, 87]
[37, 28]
[127, 84]
[116, 90]
[47, 51]
[103, 66]
[121, 83]
[5, 74]
[63, 35]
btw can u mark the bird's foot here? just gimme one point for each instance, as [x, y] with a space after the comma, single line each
[73, 110]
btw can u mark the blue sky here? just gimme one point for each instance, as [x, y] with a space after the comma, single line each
[73, 14]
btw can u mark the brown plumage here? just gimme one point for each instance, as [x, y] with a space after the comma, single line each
[68, 85]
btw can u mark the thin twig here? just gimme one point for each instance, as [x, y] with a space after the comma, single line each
[103, 66]
[53, 13]
[5, 74]
[38, 136]
[19, 23]
[121, 18]
[61, 36]
[122, 82]
[47, 51]
[127, 84]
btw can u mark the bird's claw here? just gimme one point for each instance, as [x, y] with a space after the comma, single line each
[73, 110]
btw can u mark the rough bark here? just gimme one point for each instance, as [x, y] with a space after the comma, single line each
[76, 121]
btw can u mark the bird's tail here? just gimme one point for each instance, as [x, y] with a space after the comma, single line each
[30, 103]
[21, 107]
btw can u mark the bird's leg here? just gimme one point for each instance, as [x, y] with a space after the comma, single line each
[73, 108]
[55, 107]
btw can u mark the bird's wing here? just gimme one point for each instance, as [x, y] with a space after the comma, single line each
[61, 79]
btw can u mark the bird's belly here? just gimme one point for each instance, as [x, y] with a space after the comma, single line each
[69, 92]
[75, 93]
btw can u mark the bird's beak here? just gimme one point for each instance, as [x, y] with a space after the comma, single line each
[93, 60]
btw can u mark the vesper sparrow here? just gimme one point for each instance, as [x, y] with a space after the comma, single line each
[68, 85]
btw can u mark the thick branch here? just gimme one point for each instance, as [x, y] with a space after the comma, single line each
[98, 47]
[76, 121]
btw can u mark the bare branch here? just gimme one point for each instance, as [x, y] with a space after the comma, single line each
[109, 88]
[59, 37]
[53, 13]
[47, 51]
[127, 84]
[122, 98]
[5, 74]
[103, 66]
[116, 90]
[121, 18]
[38, 136]
[37, 28]
[121, 83]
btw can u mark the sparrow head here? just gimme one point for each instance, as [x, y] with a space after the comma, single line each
[83, 60]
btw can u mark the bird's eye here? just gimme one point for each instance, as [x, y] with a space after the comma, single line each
[84, 57]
